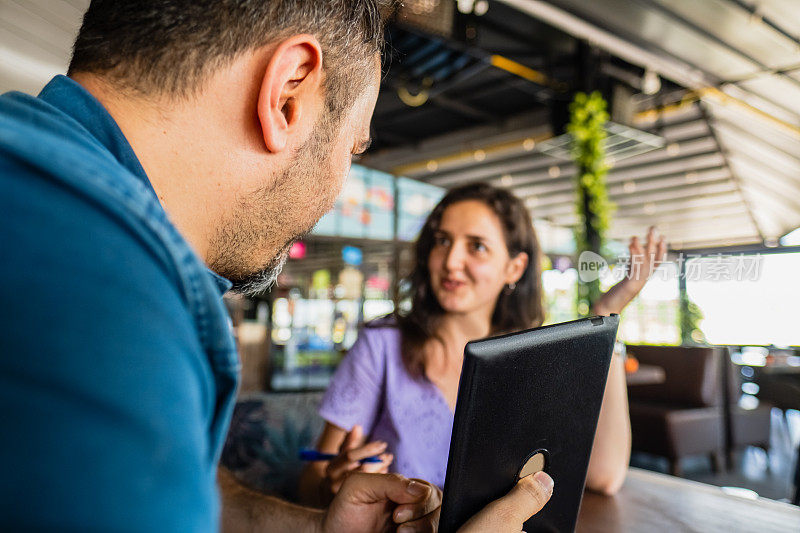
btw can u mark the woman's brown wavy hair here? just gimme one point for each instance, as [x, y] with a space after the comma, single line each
[515, 310]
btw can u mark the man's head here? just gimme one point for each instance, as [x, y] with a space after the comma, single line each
[244, 113]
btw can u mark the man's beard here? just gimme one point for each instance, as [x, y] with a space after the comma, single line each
[263, 280]
[297, 199]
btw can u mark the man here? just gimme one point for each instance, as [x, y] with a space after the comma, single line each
[188, 134]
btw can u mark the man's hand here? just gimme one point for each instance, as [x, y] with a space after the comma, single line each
[511, 511]
[377, 502]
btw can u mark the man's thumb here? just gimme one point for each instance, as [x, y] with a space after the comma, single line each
[528, 496]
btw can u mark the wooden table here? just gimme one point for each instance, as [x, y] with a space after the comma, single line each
[646, 375]
[651, 502]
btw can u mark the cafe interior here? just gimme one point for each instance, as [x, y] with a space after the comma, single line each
[701, 139]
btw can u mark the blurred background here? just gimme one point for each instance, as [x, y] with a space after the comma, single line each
[702, 140]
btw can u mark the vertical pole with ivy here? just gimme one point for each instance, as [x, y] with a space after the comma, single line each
[588, 116]
[689, 314]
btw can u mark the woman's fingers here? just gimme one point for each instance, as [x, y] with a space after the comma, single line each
[387, 458]
[337, 471]
[350, 459]
[651, 242]
[351, 452]
[353, 439]
[378, 468]
[368, 450]
[635, 246]
[662, 249]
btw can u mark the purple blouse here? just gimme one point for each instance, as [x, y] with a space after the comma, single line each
[373, 388]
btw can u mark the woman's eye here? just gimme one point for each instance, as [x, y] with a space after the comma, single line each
[441, 241]
[478, 247]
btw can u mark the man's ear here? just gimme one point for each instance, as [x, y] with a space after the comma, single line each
[516, 267]
[291, 89]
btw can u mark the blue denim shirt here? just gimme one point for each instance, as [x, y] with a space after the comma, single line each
[118, 370]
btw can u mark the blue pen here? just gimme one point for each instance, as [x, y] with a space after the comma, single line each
[307, 454]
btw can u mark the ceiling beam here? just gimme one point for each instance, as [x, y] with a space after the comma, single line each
[667, 66]
[680, 19]
[668, 206]
[735, 179]
[620, 189]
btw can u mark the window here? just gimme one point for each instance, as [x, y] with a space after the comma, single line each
[750, 299]
[653, 316]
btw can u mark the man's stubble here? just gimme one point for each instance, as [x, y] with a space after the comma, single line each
[252, 244]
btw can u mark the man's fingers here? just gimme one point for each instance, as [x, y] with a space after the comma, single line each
[339, 467]
[527, 497]
[425, 524]
[662, 248]
[363, 488]
[420, 510]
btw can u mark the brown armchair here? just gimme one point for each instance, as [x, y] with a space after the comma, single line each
[683, 415]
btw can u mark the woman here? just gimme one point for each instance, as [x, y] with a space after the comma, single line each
[476, 274]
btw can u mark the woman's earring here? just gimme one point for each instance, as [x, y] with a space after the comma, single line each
[510, 288]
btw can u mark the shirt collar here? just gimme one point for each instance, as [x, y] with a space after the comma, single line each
[69, 97]
[223, 284]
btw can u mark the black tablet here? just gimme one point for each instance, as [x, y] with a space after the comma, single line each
[528, 401]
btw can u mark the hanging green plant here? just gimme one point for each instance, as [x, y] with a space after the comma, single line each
[588, 117]
[690, 316]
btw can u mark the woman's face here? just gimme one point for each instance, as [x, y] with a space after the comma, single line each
[469, 263]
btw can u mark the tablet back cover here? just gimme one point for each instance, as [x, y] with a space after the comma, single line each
[539, 389]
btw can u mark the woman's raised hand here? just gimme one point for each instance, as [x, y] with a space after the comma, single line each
[645, 259]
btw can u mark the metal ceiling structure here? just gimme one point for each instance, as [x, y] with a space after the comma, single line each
[729, 171]
[477, 100]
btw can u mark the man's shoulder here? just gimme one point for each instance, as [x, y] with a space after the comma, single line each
[51, 167]
[50, 144]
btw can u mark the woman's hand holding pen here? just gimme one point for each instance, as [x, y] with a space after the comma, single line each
[351, 453]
